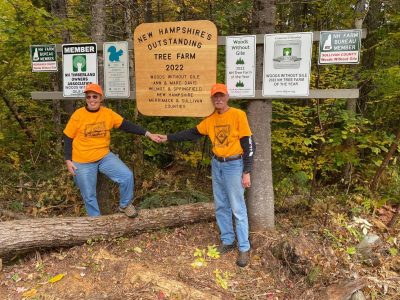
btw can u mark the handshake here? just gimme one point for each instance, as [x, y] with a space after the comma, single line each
[155, 137]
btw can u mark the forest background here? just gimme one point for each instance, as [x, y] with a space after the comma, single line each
[310, 148]
[325, 156]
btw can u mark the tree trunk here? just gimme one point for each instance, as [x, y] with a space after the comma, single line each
[98, 34]
[21, 236]
[59, 9]
[261, 194]
[148, 11]
[373, 20]
[361, 11]
[374, 183]
[131, 22]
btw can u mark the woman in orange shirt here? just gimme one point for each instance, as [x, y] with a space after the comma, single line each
[87, 150]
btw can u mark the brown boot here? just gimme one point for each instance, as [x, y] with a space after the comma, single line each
[222, 249]
[243, 258]
[130, 211]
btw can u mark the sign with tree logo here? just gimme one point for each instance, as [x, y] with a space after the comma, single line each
[79, 68]
[340, 47]
[287, 64]
[175, 65]
[116, 70]
[240, 65]
[44, 58]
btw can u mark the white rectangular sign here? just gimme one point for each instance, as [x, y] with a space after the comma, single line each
[287, 64]
[79, 68]
[44, 58]
[116, 69]
[241, 65]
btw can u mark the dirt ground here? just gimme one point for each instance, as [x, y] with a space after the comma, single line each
[160, 265]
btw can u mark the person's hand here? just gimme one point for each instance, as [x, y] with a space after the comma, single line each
[163, 138]
[71, 167]
[155, 137]
[246, 182]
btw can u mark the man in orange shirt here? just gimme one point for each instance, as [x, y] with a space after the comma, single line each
[87, 151]
[233, 148]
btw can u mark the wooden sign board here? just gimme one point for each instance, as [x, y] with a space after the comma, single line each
[175, 65]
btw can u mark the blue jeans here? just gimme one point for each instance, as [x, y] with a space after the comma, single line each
[229, 200]
[111, 166]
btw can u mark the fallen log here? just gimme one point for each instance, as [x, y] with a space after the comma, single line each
[22, 236]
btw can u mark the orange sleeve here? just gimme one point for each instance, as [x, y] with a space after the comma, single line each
[244, 127]
[202, 127]
[72, 126]
[116, 119]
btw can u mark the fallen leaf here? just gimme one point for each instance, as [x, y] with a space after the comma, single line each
[137, 250]
[21, 289]
[56, 278]
[161, 295]
[29, 294]
[378, 223]
[16, 277]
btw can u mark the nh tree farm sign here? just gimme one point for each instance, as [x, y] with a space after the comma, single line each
[340, 47]
[240, 65]
[44, 58]
[175, 65]
[79, 68]
[287, 64]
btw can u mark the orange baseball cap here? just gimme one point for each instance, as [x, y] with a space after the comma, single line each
[94, 87]
[219, 88]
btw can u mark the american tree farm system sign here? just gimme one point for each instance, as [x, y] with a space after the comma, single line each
[79, 68]
[175, 65]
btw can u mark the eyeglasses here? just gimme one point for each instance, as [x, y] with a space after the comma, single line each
[95, 97]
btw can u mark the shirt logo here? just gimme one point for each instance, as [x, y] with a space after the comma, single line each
[221, 135]
[95, 130]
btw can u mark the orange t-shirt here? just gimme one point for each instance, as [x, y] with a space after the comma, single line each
[90, 132]
[225, 131]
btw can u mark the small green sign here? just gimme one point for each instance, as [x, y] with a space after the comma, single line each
[44, 58]
[340, 47]
[287, 52]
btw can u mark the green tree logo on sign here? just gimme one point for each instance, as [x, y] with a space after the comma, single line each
[79, 63]
[287, 51]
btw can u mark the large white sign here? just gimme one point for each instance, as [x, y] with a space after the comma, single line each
[116, 69]
[340, 47]
[240, 65]
[79, 68]
[287, 64]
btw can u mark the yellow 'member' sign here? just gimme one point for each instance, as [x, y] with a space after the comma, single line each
[175, 66]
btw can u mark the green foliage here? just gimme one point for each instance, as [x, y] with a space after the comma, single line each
[164, 198]
[309, 137]
[203, 255]
[351, 250]
[222, 278]
[313, 275]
